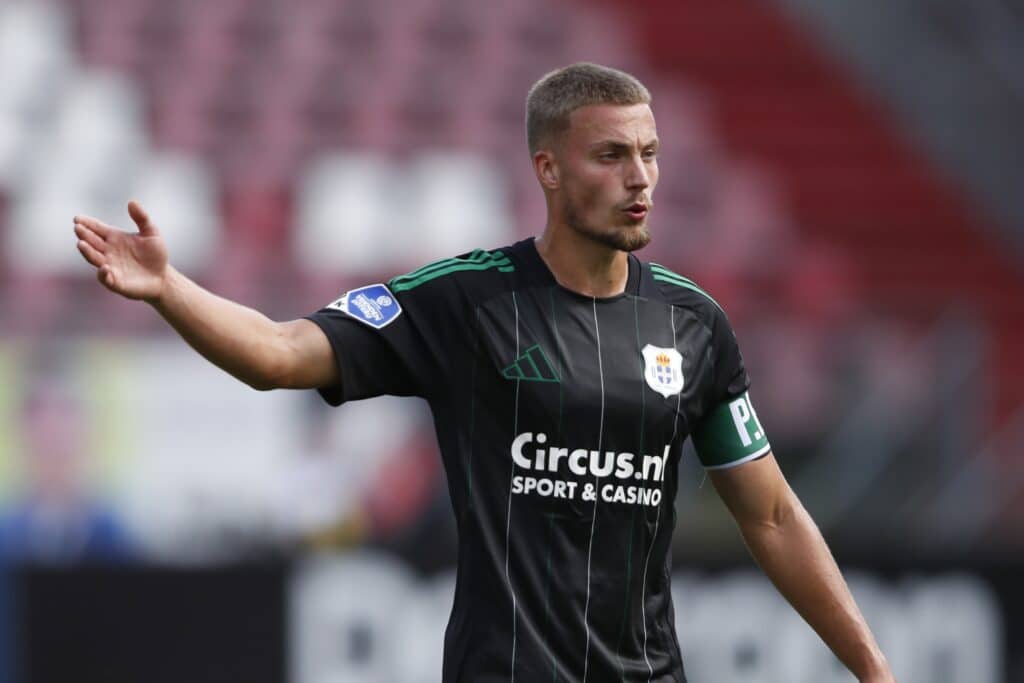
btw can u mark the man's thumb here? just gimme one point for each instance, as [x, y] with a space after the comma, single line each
[141, 218]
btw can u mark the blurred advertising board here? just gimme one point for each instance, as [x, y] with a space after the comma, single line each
[363, 616]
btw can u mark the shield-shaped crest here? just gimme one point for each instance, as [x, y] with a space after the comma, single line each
[663, 370]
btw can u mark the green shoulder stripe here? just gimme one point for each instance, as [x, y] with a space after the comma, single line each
[478, 260]
[663, 274]
[476, 256]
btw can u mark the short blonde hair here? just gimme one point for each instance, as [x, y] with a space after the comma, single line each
[561, 92]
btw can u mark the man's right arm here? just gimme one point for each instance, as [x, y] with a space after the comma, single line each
[245, 343]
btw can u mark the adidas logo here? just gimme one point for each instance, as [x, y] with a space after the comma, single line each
[533, 366]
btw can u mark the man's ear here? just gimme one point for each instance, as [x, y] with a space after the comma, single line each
[546, 168]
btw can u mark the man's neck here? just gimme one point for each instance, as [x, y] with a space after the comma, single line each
[581, 264]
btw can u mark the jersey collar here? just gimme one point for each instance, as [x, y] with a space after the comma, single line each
[528, 259]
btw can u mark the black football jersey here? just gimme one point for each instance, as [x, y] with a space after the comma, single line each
[561, 419]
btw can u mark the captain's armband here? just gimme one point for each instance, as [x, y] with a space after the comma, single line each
[730, 435]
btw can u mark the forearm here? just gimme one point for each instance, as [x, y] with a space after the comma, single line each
[243, 342]
[793, 554]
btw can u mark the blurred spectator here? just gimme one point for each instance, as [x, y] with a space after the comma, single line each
[55, 519]
[370, 475]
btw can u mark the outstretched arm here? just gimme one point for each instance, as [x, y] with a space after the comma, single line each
[787, 545]
[260, 352]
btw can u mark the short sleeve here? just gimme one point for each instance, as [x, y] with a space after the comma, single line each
[381, 343]
[730, 432]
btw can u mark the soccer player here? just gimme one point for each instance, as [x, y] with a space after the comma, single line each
[564, 375]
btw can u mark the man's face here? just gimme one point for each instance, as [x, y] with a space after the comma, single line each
[608, 168]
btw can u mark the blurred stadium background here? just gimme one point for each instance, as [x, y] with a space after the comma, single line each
[845, 177]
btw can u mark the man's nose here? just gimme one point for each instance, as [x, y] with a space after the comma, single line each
[637, 175]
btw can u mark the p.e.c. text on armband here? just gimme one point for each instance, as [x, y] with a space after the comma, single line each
[731, 434]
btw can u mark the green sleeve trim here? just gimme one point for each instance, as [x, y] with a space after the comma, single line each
[730, 435]
[478, 260]
[663, 274]
[476, 256]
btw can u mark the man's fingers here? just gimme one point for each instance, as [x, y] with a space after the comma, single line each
[91, 255]
[96, 225]
[141, 218]
[94, 240]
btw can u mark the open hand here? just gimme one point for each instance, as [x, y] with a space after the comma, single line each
[133, 265]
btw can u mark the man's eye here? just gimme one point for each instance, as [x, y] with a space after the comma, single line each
[609, 155]
[650, 154]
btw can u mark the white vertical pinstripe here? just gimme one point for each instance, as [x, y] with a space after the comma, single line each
[657, 519]
[593, 519]
[508, 517]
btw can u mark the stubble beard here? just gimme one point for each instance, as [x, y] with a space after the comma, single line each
[624, 237]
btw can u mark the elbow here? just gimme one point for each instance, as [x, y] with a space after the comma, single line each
[261, 385]
[785, 512]
[260, 382]
[276, 368]
[779, 517]
[271, 378]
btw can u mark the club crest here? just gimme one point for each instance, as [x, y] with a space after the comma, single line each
[663, 370]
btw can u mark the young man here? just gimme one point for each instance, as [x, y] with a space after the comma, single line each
[564, 376]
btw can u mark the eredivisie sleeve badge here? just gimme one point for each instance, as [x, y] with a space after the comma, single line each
[663, 370]
[373, 305]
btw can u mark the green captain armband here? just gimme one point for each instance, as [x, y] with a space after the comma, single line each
[730, 435]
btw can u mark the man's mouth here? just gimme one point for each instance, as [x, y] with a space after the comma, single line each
[637, 210]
